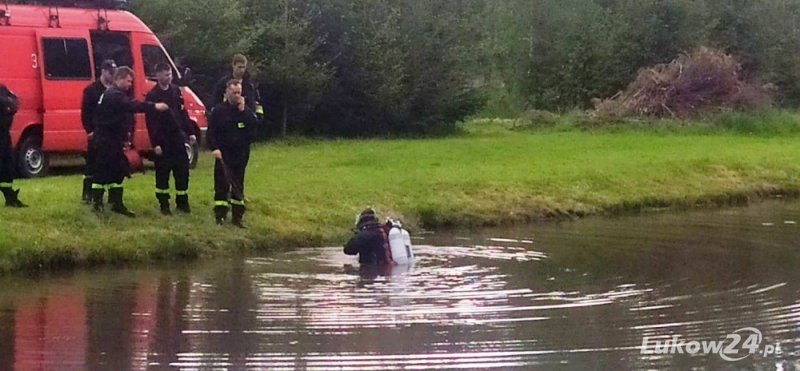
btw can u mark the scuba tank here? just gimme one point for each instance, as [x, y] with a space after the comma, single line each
[400, 243]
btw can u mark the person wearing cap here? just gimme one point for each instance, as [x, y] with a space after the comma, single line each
[239, 72]
[114, 112]
[91, 94]
[371, 242]
[169, 131]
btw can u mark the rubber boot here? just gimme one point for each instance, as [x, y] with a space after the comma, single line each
[12, 198]
[97, 198]
[182, 203]
[117, 206]
[237, 212]
[86, 195]
[163, 203]
[220, 214]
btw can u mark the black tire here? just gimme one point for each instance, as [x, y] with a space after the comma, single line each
[31, 161]
[193, 151]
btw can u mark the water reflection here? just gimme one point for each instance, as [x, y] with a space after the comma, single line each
[573, 296]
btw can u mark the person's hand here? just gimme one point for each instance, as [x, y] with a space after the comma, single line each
[241, 104]
[161, 107]
[158, 150]
[192, 139]
[217, 154]
[126, 146]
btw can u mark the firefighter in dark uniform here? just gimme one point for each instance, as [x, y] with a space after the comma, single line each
[239, 72]
[231, 128]
[91, 94]
[169, 131]
[9, 104]
[112, 119]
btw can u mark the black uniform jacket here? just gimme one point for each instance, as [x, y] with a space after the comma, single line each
[9, 104]
[91, 95]
[231, 130]
[114, 114]
[168, 129]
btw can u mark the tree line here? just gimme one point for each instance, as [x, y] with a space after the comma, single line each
[412, 67]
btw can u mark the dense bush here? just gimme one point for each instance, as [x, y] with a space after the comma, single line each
[409, 67]
[333, 67]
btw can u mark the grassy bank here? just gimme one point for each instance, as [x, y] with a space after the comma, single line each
[304, 193]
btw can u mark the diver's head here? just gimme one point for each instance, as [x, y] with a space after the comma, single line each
[366, 217]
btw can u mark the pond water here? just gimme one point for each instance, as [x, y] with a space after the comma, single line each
[593, 294]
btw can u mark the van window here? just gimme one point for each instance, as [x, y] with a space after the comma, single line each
[111, 45]
[152, 55]
[66, 59]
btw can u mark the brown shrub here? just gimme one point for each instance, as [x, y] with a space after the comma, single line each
[700, 82]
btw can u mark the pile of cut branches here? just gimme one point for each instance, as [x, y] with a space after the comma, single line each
[705, 80]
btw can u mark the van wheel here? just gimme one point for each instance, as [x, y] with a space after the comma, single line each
[31, 161]
[193, 151]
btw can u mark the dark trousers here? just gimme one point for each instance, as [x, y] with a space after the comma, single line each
[175, 162]
[7, 170]
[88, 172]
[178, 165]
[91, 159]
[6, 159]
[111, 165]
[229, 180]
[111, 168]
[229, 186]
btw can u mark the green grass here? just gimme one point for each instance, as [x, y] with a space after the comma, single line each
[306, 193]
[767, 123]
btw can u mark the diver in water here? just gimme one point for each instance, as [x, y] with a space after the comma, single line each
[371, 242]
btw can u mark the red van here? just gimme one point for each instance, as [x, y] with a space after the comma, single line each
[49, 54]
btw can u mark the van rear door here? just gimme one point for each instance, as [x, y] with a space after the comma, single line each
[66, 69]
